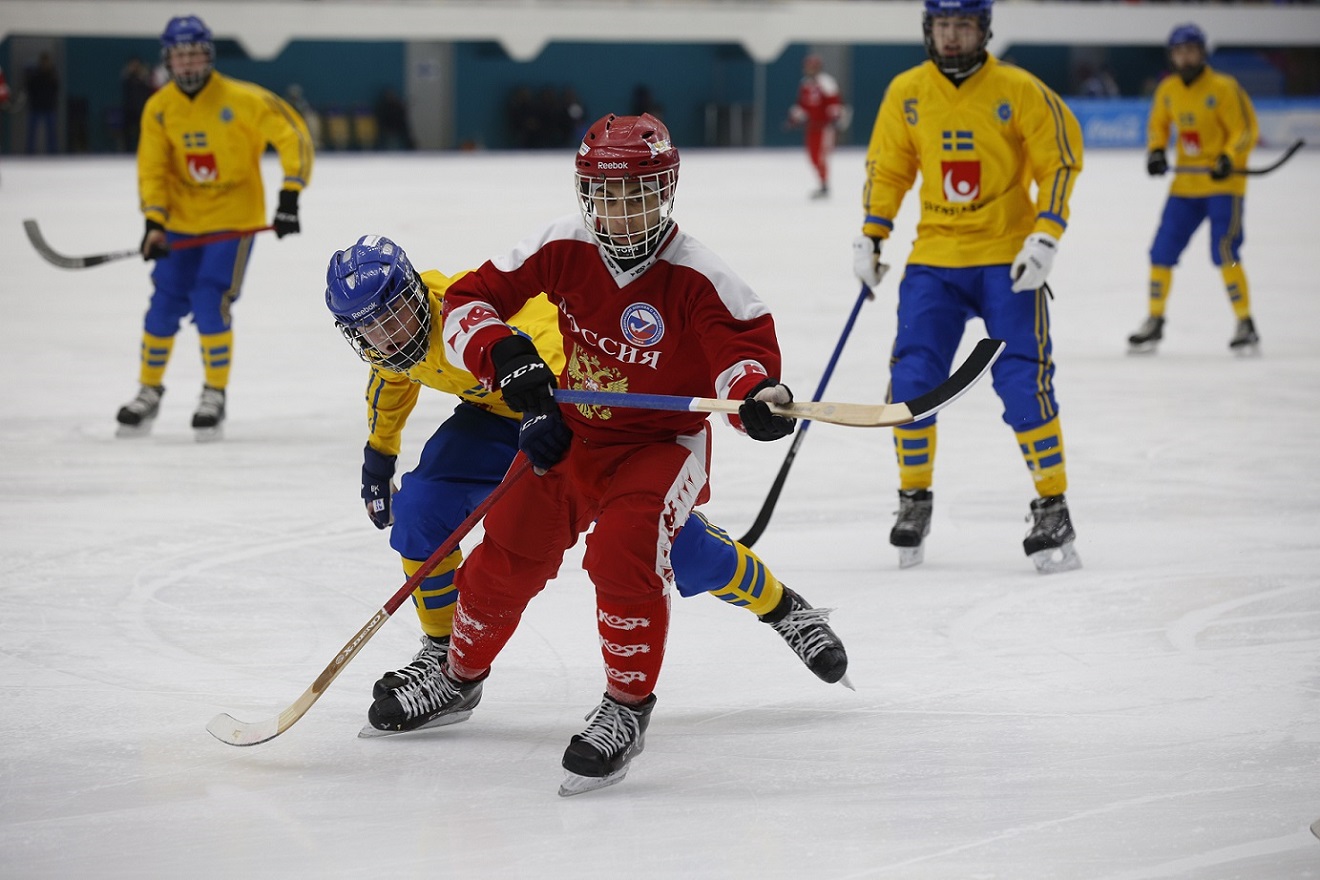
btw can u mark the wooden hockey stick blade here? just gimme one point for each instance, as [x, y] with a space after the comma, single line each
[231, 731]
[1266, 169]
[855, 415]
[66, 262]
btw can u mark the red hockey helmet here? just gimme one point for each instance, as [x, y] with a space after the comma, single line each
[626, 174]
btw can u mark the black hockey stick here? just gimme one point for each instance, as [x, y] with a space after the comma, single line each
[1287, 154]
[54, 257]
[768, 507]
[230, 730]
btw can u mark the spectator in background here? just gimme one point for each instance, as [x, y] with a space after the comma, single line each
[41, 82]
[134, 89]
[392, 121]
[294, 95]
[644, 102]
[521, 118]
[1097, 83]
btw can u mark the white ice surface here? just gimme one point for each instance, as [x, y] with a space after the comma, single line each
[1156, 714]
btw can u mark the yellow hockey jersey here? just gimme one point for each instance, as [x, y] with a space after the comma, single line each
[978, 148]
[391, 396]
[199, 158]
[1211, 117]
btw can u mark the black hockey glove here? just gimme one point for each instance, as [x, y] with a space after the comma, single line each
[159, 250]
[1156, 163]
[544, 439]
[523, 376]
[1223, 168]
[758, 421]
[377, 471]
[286, 215]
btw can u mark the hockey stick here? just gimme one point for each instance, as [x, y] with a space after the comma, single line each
[1288, 154]
[768, 507]
[230, 730]
[65, 262]
[857, 415]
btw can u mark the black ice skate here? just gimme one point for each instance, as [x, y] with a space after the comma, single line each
[435, 701]
[1049, 542]
[600, 755]
[808, 633]
[136, 417]
[208, 420]
[912, 526]
[1147, 337]
[1245, 340]
[425, 663]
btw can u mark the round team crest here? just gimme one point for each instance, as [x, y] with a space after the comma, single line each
[642, 325]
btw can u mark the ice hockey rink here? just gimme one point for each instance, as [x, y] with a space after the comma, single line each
[1155, 714]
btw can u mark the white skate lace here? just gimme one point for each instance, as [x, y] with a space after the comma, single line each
[805, 631]
[425, 662]
[211, 402]
[612, 728]
[147, 399]
[428, 695]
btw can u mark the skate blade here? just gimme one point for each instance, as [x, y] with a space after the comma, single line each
[141, 429]
[209, 435]
[575, 784]
[910, 556]
[1056, 559]
[847, 682]
[1142, 347]
[369, 732]
[1246, 350]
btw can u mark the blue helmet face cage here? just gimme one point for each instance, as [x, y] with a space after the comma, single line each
[1188, 35]
[187, 30]
[956, 65]
[380, 304]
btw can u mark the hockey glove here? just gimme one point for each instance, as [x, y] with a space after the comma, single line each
[154, 247]
[1223, 168]
[757, 419]
[523, 376]
[377, 471]
[1033, 262]
[286, 215]
[866, 260]
[544, 439]
[1156, 163]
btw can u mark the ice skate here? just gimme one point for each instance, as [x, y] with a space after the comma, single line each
[1147, 337]
[1049, 543]
[822, 193]
[208, 420]
[808, 633]
[600, 755]
[1245, 341]
[435, 701]
[137, 416]
[425, 663]
[912, 526]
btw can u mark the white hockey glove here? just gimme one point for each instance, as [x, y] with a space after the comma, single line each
[1033, 262]
[866, 260]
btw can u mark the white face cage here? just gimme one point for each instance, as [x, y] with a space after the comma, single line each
[399, 335]
[628, 215]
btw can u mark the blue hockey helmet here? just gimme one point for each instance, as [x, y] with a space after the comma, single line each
[966, 63]
[1186, 33]
[379, 302]
[188, 31]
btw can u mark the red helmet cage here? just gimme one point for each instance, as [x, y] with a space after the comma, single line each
[635, 149]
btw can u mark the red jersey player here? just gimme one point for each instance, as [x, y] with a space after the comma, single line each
[820, 110]
[643, 308]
